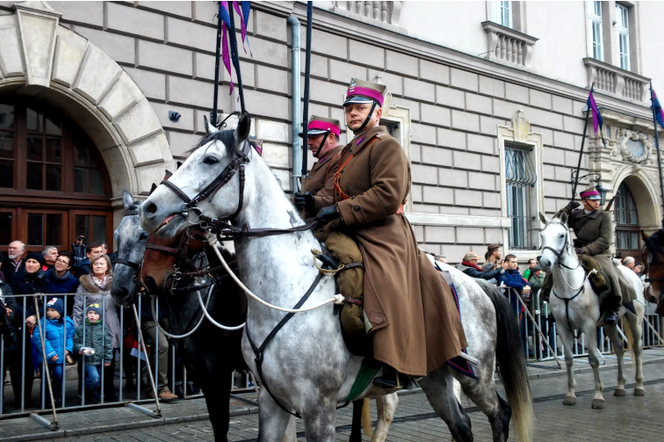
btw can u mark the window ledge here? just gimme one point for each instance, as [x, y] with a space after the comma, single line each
[616, 81]
[507, 46]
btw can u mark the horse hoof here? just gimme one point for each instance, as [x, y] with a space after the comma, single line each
[569, 400]
[620, 392]
[598, 404]
[639, 392]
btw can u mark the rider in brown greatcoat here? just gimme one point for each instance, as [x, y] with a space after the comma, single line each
[414, 322]
[323, 141]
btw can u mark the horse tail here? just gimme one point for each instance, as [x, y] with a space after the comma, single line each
[366, 418]
[511, 362]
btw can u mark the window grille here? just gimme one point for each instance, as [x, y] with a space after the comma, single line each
[595, 17]
[520, 180]
[622, 26]
[626, 216]
[501, 13]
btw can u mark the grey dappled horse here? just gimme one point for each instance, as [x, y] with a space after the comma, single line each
[571, 286]
[306, 366]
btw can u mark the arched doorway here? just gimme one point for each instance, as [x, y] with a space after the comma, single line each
[626, 216]
[53, 182]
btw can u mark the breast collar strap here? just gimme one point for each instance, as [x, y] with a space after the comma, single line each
[240, 157]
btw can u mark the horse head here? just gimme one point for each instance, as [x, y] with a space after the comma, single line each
[653, 261]
[131, 240]
[555, 239]
[210, 181]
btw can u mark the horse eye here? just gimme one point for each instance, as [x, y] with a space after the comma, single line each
[562, 235]
[210, 160]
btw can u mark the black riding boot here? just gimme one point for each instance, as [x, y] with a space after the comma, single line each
[392, 379]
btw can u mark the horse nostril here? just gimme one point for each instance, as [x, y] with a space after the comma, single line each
[150, 284]
[150, 207]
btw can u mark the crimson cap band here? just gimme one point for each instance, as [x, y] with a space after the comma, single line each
[360, 91]
[590, 194]
[320, 125]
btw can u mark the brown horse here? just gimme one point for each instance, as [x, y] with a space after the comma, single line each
[653, 267]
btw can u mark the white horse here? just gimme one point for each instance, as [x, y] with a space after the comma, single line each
[575, 306]
[306, 368]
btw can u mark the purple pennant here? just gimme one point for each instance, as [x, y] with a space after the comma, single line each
[597, 117]
[244, 21]
[225, 53]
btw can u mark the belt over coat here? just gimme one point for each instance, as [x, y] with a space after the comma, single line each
[320, 180]
[416, 327]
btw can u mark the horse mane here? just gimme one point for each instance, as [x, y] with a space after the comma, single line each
[225, 136]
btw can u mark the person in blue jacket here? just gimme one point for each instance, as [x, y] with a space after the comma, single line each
[58, 331]
[513, 279]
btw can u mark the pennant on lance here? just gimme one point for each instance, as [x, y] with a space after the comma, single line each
[244, 22]
[657, 108]
[597, 117]
[225, 55]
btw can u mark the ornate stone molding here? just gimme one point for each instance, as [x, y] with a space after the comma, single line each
[634, 147]
[613, 80]
[521, 127]
[507, 46]
[38, 56]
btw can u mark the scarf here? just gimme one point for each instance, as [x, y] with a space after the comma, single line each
[470, 264]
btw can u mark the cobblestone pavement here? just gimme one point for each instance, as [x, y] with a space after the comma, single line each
[623, 419]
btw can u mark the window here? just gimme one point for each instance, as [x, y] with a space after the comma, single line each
[622, 26]
[501, 13]
[520, 181]
[627, 223]
[597, 42]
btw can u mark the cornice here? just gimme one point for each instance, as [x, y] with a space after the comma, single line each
[343, 26]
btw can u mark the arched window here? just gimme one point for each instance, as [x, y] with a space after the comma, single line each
[53, 183]
[627, 220]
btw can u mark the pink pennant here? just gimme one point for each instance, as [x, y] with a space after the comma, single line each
[226, 56]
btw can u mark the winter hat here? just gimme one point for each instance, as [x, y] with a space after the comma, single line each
[95, 308]
[57, 305]
[37, 257]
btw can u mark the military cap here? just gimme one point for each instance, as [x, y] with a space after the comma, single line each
[360, 91]
[590, 194]
[319, 125]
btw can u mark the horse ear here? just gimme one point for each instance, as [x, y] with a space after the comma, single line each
[644, 235]
[543, 218]
[167, 174]
[154, 187]
[208, 127]
[563, 217]
[128, 200]
[178, 164]
[243, 128]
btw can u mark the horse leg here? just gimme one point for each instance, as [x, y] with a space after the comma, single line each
[566, 338]
[616, 341]
[635, 325]
[217, 392]
[483, 394]
[439, 389]
[386, 406]
[356, 430]
[320, 418]
[291, 432]
[591, 339]
[272, 420]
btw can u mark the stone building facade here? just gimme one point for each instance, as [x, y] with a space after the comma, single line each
[492, 133]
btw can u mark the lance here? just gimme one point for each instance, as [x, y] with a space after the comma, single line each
[583, 142]
[213, 114]
[307, 75]
[659, 155]
[235, 57]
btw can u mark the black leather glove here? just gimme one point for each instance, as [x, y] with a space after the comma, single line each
[303, 200]
[571, 206]
[579, 251]
[327, 214]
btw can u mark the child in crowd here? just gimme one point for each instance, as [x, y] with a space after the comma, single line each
[93, 341]
[58, 342]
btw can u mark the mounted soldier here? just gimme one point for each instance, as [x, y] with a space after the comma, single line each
[318, 188]
[409, 309]
[594, 231]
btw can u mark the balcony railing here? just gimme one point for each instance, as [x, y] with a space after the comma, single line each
[386, 13]
[616, 81]
[508, 46]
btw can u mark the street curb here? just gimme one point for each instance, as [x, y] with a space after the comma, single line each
[154, 422]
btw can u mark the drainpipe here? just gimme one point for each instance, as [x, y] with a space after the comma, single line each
[295, 100]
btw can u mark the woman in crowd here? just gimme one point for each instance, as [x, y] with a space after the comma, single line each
[95, 288]
[61, 280]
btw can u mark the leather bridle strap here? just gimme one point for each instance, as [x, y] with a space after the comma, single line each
[133, 265]
[226, 229]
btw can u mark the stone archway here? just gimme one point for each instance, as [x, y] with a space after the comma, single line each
[645, 193]
[40, 58]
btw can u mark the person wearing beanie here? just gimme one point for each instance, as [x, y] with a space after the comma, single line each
[57, 331]
[93, 334]
[30, 280]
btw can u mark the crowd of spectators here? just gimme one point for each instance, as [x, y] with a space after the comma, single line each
[73, 300]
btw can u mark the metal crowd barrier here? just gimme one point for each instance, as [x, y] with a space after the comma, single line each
[130, 378]
[540, 340]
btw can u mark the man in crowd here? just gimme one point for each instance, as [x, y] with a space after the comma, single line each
[513, 279]
[492, 257]
[92, 251]
[628, 262]
[469, 267]
[532, 263]
[50, 254]
[323, 141]
[78, 248]
[14, 262]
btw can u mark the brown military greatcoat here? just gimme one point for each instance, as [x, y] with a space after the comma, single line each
[320, 180]
[593, 233]
[415, 324]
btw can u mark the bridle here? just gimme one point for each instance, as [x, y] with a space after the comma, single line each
[559, 253]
